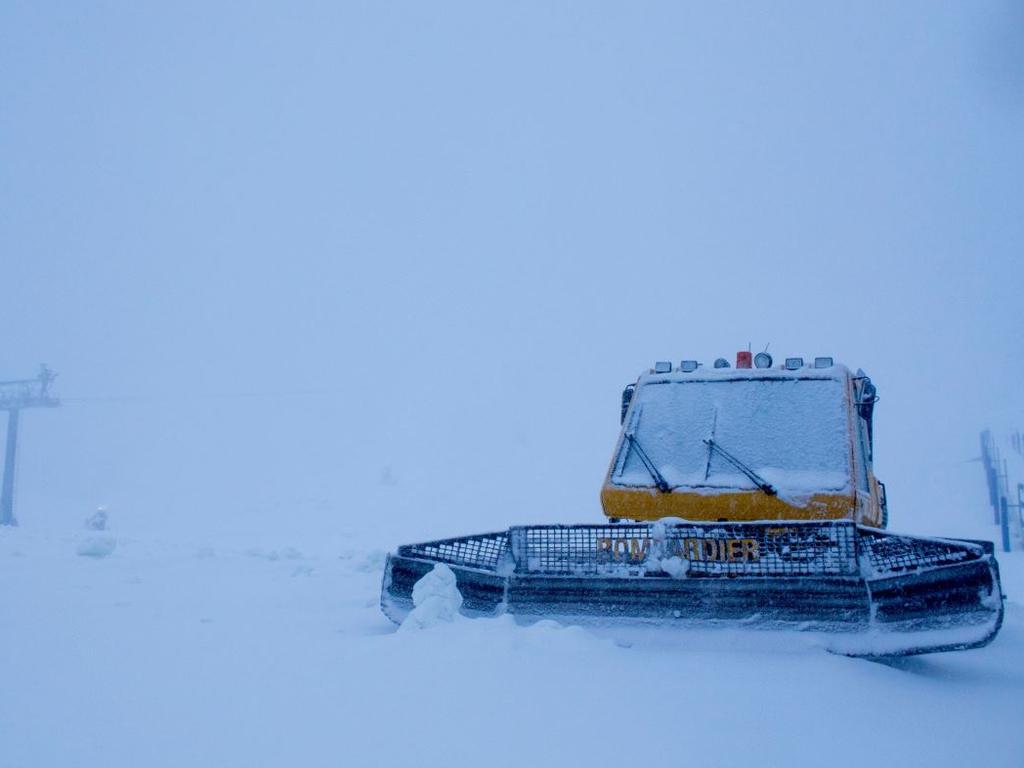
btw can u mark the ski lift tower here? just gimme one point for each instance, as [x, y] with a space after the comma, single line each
[15, 395]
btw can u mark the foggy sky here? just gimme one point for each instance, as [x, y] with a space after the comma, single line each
[392, 263]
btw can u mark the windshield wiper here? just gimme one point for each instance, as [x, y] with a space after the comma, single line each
[659, 481]
[755, 478]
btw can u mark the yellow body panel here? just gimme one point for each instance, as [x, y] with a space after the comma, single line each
[650, 504]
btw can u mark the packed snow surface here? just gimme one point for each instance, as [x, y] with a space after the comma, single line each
[269, 649]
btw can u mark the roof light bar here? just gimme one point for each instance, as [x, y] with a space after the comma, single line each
[794, 363]
[823, 362]
[743, 358]
[662, 367]
[688, 366]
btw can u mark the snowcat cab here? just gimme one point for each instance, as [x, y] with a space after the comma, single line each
[792, 442]
[741, 496]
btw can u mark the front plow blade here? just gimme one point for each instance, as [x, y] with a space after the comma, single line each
[876, 594]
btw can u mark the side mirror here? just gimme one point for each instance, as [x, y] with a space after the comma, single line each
[866, 409]
[627, 398]
[868, 397]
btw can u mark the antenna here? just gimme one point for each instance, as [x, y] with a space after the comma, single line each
[15, 395]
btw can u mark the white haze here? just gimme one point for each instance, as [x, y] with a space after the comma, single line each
[314, 266]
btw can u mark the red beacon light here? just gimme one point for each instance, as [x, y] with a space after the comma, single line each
[743, 359]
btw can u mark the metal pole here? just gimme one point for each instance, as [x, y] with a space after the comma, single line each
[993, 492]
[7, 496]
[1020, 503]
[1005, 523]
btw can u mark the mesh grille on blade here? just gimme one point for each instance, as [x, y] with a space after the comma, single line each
[483, 551]
[717, 549]
[888, 554]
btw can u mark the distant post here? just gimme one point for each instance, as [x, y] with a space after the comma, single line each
[15, 395]
[7, 496]
[1004, 523]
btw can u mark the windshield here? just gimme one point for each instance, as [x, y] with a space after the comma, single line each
[791, 432]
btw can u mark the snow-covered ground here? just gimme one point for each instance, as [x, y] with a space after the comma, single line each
[239, 650]
[323, 278]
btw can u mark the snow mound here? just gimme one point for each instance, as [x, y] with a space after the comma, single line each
[97, 521]
[288, 553]
[97, 546]
[659, 561]
[436, 598]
